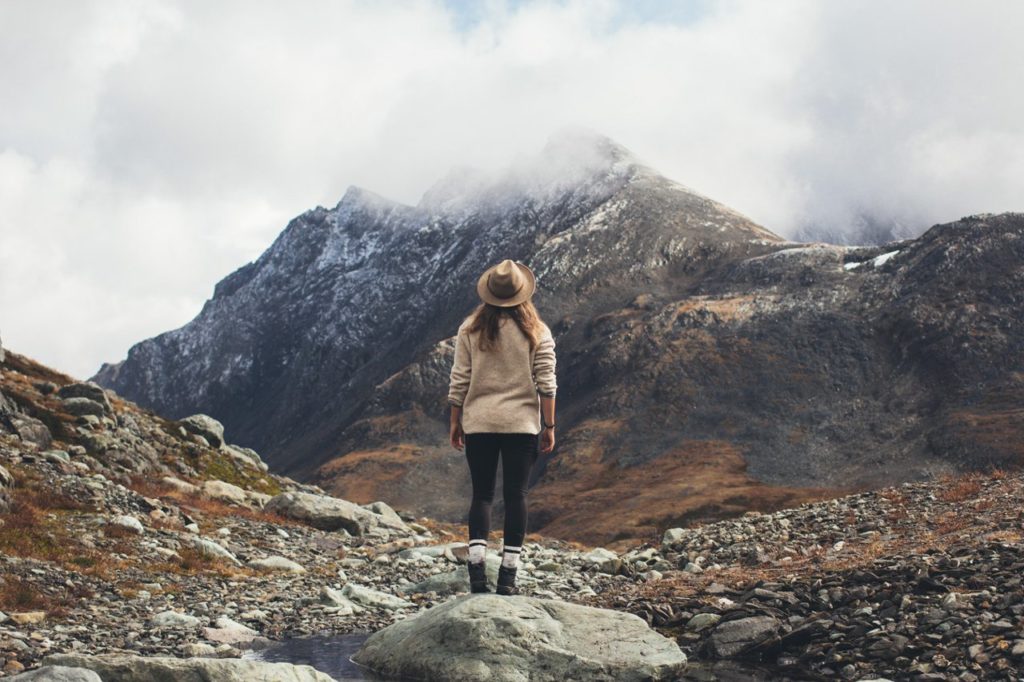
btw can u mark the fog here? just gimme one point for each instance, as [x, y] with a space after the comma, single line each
[147, 149]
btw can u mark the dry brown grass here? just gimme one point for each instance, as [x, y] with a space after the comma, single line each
[959, 488]
[40, 525]
[952, 522]
[364, 476]
[196, 562]
[33, 532]
[596, 502]
[17, 363]
[18, 594]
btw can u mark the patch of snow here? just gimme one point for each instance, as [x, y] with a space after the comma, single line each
[879, 260]
[875, 262]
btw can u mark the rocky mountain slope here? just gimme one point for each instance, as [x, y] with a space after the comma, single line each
[706, 366]
[133, 543]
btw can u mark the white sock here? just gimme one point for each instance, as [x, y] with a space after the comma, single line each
[477, 549]
[510, 556]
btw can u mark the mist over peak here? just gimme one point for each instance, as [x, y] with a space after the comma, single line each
[571, 158]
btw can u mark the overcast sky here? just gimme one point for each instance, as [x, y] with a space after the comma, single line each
[148, 149]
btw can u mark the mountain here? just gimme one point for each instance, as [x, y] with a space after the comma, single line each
[706, 366]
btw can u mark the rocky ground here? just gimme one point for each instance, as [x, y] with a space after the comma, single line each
[123, 532]
[921, 582]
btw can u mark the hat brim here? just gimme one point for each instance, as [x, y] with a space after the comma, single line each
[524, 294]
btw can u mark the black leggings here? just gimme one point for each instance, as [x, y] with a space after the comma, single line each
[518, 453]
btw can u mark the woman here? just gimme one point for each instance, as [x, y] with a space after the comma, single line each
[502, 393]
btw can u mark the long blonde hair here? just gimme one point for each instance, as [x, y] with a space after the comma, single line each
[486, 318]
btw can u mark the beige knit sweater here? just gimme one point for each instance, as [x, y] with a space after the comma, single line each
[499, 389]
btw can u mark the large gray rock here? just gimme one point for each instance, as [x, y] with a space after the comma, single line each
[57, 673]
[31, 430]
[324, 512]
[278, 564]
[368, 596]
[81, 407]
[733, 637]
[388, 516]
[205, 426]
[604, 560]
[245, 456]
[127, 668]
[515, 639]
[89, 390]
[223, 491]
[211, 548]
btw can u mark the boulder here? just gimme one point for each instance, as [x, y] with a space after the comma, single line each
[128, 523]
[324, 512]
[129, 668]
[604, 560]
[180, 485]
[205, 426]
[211, 548]
[228, 631]
[732, 638]
[31, 430]
[88, 390]
[368, 596]
[81, 407]
[245, 456]
[57, 673]
[335, 599]
[277, 564]
[224, 492]
[486, 636]
[173, 619]
[673, 535]
[388, 516]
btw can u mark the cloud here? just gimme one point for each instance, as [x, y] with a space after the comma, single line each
[153, 147]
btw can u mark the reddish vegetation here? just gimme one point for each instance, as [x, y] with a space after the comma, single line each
[595, 501]
[364, 476]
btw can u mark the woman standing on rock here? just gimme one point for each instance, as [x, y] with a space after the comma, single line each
[502, 393]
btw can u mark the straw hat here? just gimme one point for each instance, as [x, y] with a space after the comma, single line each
[506, 284]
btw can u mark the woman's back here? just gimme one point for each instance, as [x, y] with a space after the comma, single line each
[499, 387]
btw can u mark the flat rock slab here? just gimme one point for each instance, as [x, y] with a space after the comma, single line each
[517, 638]
[128, 668]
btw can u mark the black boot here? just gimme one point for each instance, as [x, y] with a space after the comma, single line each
[477, 576]
[507, 580]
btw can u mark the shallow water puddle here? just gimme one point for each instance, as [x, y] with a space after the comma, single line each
[327, 653]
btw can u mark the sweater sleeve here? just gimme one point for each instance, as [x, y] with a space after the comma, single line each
[458, 384]
[544, 365]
